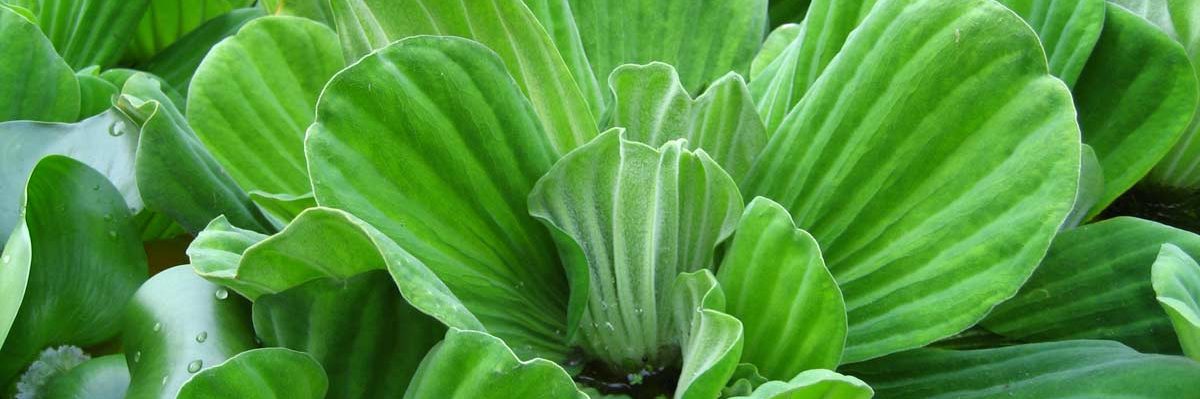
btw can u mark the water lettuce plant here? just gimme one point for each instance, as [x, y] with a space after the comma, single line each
[599, 199]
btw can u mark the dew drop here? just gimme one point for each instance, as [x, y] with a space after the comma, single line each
[137, 356]
[112, 234]
[203, 336]
[157, 327]
[195, 365]
[115, 129]
[95, 187]
[221, 293]
[164, 380]
[609, 325]
[108, 217]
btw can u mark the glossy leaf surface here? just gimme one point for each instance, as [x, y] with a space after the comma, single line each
[475, 365]
[267, 373]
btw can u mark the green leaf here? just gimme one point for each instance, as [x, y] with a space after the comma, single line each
[777, 42]
[119, 76]
[1070, 369]
[1068, 30]
[1095, 283]
[653, 107]
[784, 11]
[507, 27]
[73, 255]
[778, 286]
[283, 207]
[216, 254]
[95, 93]
[166, 21]
[814, 384]
[104, 377]
[559, 21]
[178, 62]
[265, 373]
[175, 173]
[178, 324]
[89, 32]
[744, 380]
[264, 80]
[1091, 187]
[1176, 280]
[38, 84]
[369, 339]
[638, 216]
[1180, 168]
[316, 10]
[711, 341]
[933, 187]
[106, 142]
[475, 365]
[1135, 98]
[703, 39]
[431, 142]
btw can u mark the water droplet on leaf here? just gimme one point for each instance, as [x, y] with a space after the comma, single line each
[157, 327]
[203, 336]
[195, 365]
[137, 356]
[221, 293]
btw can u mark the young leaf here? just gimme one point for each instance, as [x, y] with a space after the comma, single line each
[166, 21]
[1068, 30]
[814, 384]
[104, 377]
[1176, 280]
[933, 187]
[711, 341]
[774, 46]
[266, 373]
[95, 93]
[177, 63]
[475, 365]
[38, 84]
[89, 32]
[316, 10]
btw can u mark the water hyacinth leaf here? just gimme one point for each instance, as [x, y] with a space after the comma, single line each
[784, 11]
[431, 141]
[177, 63]
[106, 142]
[711, 341]
[253, 98]
[728, 33]
[1135, 97]
[369, 339]
[217, 251]
[1176, 280]
[175, 173]
[652, 106]
[166, 21]
[744, 380]
[104, 377]
[778, 286]
[89, 32]
[316, 10]
[640, 216]
[1180, 168]
[1068, 369]
[75, 224]
[178, 324]
[814, 384]
[1091, 187]
[95, 93]
[559, 21]
[777, 41]
[1095, 283]
[507, 27]
[283, 207]
[1068, 30]
[782, 83]
[991, 135]
[38, 84]
[475, 365]
[119, 76]
[266, 373]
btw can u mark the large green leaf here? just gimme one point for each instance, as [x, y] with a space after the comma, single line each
[267, 373]
[558, 19]
[1176, 280]
[95, 93]
[653, 107]
[253, 98]
[368, 338]
[175, 173]
[1181, 167]
[38, 84]
[178, 324]
[1068, 30]
[89, 32]
[106, 142]
[703, 39]
[1135, 98]
[178, 62]
[710, 341]
[629, 218]
[777, 285]
[933, 187]
[814, 384]
[430, 141]
[166, 21]
[119, 76]
[1070, 369]
[104, 377]
[508, 27]
[71, 262]
[1095, 283]
[475, 365]
[777, 42]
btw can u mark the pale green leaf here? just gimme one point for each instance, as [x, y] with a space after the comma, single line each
[1091, 187]
[105, 377]
[776, 43]
[475, 365]
[710, 341]
[1176, 280]
[1181, 167]
[316, 10]
[177, 63]
[267, 373]
[38, 84]
[814, 384]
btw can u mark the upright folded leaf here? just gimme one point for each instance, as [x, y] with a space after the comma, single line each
[1180, 169]
[1176, 280]
[38, 84]
[177, 63]
[89, 32]
[267, 373]
[814, 384]
[475, 365]
[166, 21]
[933, 161]
[710, 341]
[1068, 30]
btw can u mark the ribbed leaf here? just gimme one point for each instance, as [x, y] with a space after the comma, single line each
[119, 76]
[710, 340]
[266, 373]
[1095, 283]
[933, 187]
[369, 339]
[1176, 281]
[814, 384]
[178, 324]
[558, 19]
[104, 377]
[72, 255]
[1181, 167]
[1091, 187]
[216, 253]
[178, 62]
[654, 108]
[175, 173]
[38, 84]
[1068, 29]
[89, 32]
[505, 26]
[430, 141]
[703, 39]
[773, 47]
[1066, 370]
[631, 218]
[95, 93]
[283, 207]
[253, 98]
[475, 365]
[316, 10]
[166, 21]
[106, 142]
[778, 286]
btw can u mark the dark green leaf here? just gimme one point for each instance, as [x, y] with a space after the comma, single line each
[1068, 30]
[38, 84]
[178, 62]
